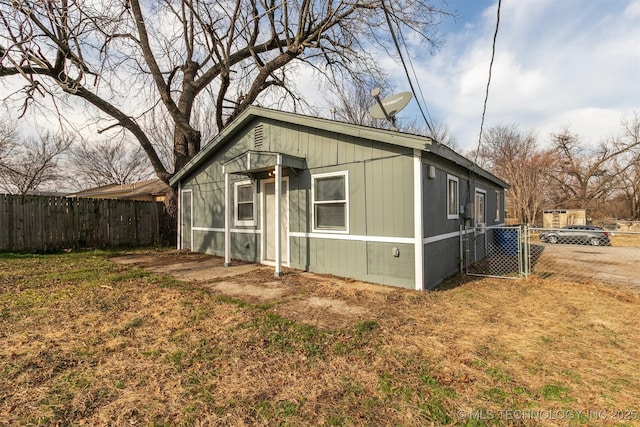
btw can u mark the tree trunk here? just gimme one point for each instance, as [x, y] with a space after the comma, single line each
[185, 147]
[170, 220]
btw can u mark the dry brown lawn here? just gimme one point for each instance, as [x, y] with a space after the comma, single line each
[86, 341]
[628, 239]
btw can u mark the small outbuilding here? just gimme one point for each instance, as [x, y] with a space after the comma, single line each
[285, 189]
[558, 218]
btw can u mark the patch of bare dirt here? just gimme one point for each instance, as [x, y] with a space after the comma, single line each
[186, 266]
[334, 305]
[322, 312]
[322, 301]
[265, 292]
[160, 258]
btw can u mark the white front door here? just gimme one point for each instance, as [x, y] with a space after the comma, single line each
[268, 221]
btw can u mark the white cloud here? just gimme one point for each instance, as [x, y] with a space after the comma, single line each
[632, 11]
[562, 63]
[571, 63]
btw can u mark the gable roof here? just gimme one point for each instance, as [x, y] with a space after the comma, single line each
[406, 140]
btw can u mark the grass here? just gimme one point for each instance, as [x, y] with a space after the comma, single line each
[87, 341]
[628, 239]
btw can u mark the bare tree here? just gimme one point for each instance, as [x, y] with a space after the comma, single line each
[515, 158]
[586, 177]
[8, 138]
[441, 132]
[34, 163]
[126, 58]
[626, 167]
[353, 101]
[108, 162]
[160, 130]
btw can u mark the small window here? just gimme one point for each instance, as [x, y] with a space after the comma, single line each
[245, 206]
[498, 205]
[480, 208]
[330, 202]
[452, 197]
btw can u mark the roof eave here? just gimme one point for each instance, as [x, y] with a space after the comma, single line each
[387, 136]
[449, 154]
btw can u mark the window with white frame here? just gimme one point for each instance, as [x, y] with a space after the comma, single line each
[480, 207]
[453, 196]
[498, 205]
[330, 202]
[245, 203]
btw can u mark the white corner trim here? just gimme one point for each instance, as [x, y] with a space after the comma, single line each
[278, 216]
[227, 220]
[418, 223]
[184, 193]
[179, 236]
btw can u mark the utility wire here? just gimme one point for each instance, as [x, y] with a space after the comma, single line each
[415, 75]
[486, 96]
[406, 71]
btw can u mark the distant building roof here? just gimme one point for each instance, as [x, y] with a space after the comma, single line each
[46, 193]
[153, 189]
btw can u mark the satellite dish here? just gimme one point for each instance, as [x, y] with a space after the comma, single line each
[389, 107]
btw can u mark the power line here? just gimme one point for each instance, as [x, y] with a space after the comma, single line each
[415, 75]
[486, 96]
[406, 71]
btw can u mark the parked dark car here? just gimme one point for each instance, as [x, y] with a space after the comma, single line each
[578, 235]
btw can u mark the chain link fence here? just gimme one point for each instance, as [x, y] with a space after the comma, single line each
[495, 251]
[573, 253]
[586, 254]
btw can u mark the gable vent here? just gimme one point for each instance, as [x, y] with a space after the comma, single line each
[258, 136]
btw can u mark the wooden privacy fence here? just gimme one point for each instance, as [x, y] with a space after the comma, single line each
[50, 223]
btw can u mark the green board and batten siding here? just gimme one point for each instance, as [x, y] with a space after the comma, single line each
[380, 202]
[442, 252]
[379, 245]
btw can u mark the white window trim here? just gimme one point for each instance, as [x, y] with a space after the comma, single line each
[236, 221]
[346, 201]
[498, 205]
[457, 214]
[475, 213]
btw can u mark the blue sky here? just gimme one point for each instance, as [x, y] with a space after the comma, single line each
[558, 63]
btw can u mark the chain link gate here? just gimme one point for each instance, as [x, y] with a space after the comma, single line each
[496, 251]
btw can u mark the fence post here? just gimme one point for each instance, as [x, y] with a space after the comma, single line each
[525, 250]
[461, 249]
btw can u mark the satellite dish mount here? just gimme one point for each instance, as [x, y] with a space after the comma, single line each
[389, 107]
